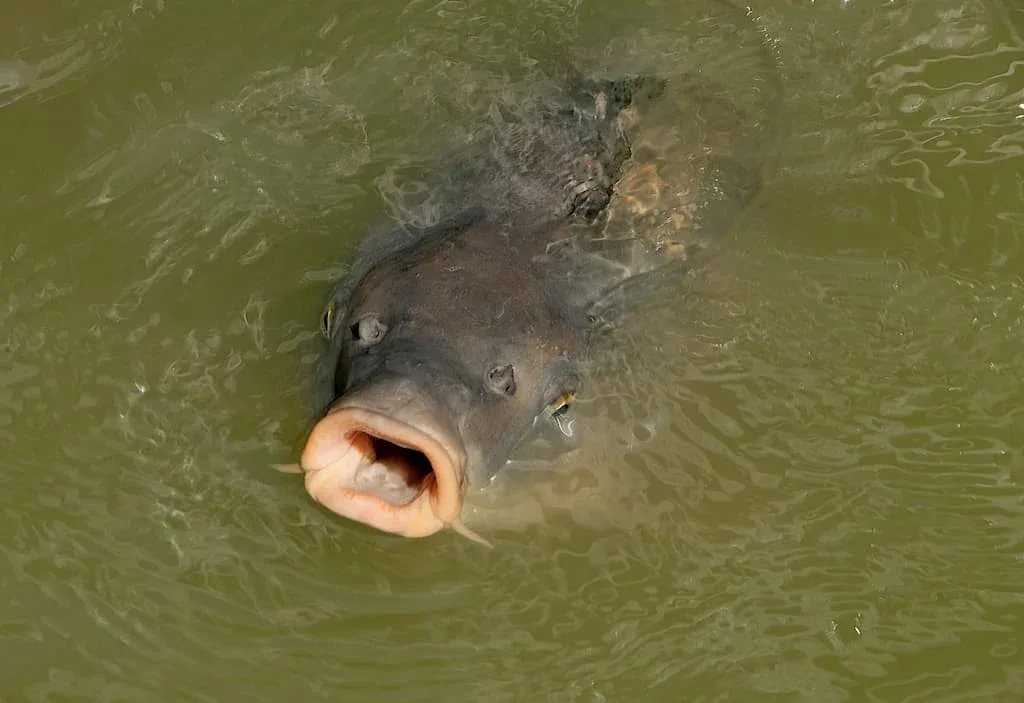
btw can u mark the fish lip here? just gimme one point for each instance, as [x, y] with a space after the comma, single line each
[337, 447]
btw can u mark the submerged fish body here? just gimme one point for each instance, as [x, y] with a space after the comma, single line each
[453, 340]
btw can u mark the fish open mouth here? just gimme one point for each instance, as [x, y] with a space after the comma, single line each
[394, 474]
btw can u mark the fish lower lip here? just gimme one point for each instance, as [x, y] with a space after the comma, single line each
[384, 472]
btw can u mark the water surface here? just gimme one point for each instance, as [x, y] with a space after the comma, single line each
[799, 471]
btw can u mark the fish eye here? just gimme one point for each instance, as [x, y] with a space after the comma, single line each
[560, 405]
[368, 330]
[327, 319]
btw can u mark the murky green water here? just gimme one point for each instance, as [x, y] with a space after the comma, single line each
[803, 474]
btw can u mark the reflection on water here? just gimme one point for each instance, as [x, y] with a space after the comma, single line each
[795, 473]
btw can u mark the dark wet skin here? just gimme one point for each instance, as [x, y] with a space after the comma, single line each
[479, 320]
[454, 344]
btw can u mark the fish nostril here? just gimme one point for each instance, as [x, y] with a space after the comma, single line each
[368, 330]
[502, 380]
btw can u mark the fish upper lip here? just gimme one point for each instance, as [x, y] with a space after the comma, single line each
[346, 441]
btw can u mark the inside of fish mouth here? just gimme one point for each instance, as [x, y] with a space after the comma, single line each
[394, 473]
